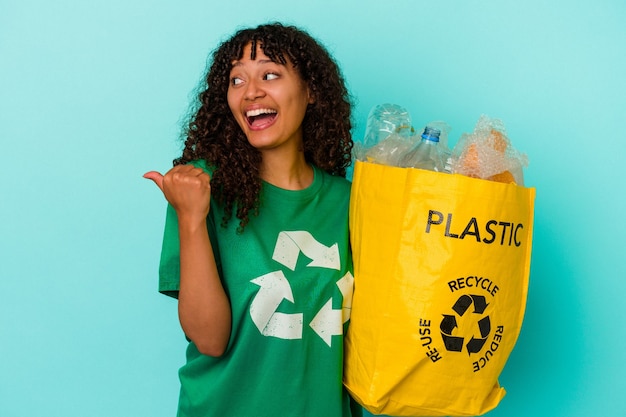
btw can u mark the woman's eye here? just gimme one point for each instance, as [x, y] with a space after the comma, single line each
[236, 81]
[271, 76]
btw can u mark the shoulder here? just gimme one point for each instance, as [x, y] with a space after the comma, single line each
[335, 184]
[335, 180]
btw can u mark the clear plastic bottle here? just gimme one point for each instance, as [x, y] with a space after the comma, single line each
[388, 134]
[390, 150]
[384, 120]
[427, 154]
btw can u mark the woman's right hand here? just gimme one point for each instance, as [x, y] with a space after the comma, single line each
[187, 189]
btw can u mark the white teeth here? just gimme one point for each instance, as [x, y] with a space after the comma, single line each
[257, 112]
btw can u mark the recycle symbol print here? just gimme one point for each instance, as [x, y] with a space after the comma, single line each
[274, 288]
[449, 323]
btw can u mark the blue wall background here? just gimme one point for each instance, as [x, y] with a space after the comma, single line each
[92, 95]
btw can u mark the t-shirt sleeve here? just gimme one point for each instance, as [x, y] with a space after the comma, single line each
[169, 267]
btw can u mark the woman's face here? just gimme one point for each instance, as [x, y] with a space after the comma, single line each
[268, 100]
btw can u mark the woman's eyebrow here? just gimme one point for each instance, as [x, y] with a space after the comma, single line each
[265, 62]
[238, 63]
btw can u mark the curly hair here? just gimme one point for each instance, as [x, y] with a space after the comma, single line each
[213, 135]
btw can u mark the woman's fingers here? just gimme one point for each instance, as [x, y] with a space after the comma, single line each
[156, 177]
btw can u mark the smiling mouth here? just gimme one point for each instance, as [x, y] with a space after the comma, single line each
[259, 118]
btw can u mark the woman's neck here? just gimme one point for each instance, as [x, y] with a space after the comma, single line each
[287, 173]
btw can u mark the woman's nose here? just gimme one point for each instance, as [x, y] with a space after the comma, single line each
[254, 90]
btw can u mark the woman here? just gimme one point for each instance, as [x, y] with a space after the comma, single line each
[256, 244]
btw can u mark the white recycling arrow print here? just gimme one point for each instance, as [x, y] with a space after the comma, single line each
[290, 244]
[274, 288]
[346, 286]
[328, 322]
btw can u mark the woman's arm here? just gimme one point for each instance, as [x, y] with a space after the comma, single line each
[203, 307]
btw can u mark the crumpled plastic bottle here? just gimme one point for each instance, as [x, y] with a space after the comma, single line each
[390, 150]
[384, 120]
[388, 126]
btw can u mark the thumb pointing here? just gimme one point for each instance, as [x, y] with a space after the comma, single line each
[156, 177]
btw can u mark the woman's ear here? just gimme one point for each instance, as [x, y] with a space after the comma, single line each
[310, 95]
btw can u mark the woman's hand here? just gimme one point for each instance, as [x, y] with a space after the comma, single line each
[187, 189]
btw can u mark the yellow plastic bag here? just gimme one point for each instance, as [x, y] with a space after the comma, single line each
[441, 266]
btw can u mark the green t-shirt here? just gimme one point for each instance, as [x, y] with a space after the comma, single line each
[289, 280]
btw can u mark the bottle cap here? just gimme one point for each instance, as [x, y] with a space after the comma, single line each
[432, 134]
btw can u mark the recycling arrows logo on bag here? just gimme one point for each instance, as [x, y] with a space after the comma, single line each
[467, 326]
[275, 287]
[449, 323]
